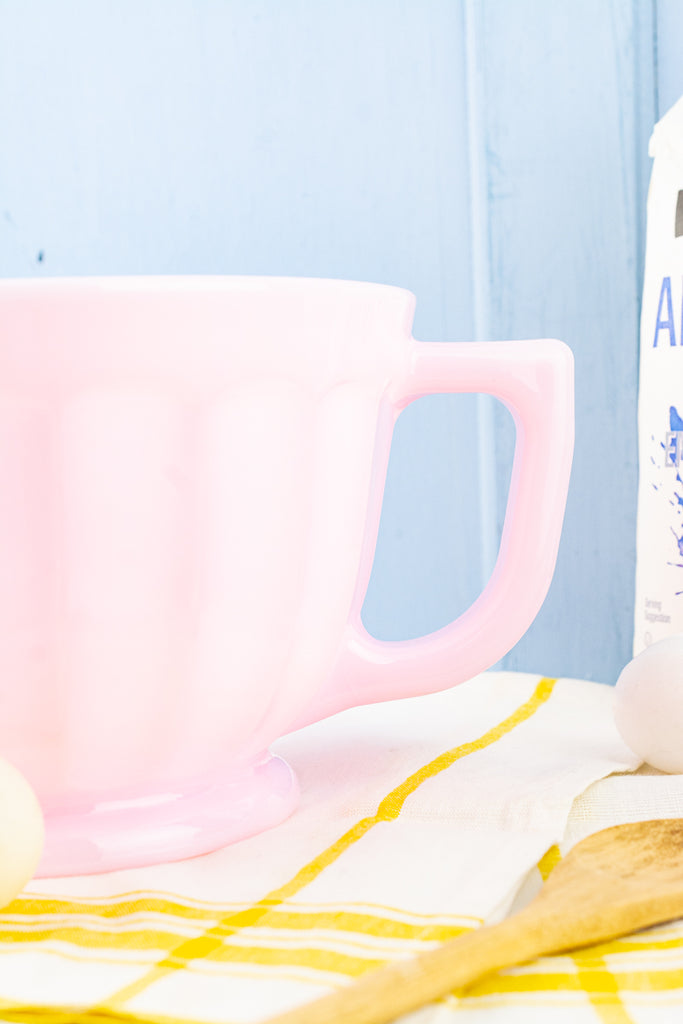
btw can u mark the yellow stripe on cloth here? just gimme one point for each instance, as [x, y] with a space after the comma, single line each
[33, 906]
[14, 1014]
[59, 924]
[142, 939]
[635, 944]
[258, 950]
[546, 977]
[388, 810]
[594, 978]
[602, 988]
[170, 903]
[550, 859]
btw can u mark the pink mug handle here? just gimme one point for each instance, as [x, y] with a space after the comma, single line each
[534, 379]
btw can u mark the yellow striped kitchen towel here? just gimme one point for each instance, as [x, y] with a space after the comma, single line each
[419, 819]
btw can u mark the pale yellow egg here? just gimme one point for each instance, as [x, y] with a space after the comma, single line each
[22, 832]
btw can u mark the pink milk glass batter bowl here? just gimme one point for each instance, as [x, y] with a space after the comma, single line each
[191, 473]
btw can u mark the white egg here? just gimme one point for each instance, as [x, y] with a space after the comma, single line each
[22, 832]
[648, 706]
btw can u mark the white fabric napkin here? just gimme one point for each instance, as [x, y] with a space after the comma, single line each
[634, 980]
[418, 819]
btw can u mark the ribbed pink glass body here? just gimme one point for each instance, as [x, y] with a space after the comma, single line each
[191, 472]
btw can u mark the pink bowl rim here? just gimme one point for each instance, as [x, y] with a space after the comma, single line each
[197, 282]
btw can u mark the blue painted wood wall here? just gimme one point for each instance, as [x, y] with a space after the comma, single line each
[490, 155]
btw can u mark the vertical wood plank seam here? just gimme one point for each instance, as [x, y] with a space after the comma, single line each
[481, 285]
[642, 52]
[639, 157]
[655, 54]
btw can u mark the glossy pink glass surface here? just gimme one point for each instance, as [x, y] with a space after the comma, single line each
[191, 473]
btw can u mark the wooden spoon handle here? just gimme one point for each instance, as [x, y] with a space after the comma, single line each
[405, 985]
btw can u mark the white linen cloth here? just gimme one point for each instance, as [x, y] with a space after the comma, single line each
[418, 819]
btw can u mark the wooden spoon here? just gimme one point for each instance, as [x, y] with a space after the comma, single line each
[612, 883]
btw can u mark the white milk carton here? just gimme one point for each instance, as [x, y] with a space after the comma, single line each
[659, 539]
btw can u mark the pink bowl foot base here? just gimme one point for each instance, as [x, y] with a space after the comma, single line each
[132, 832]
